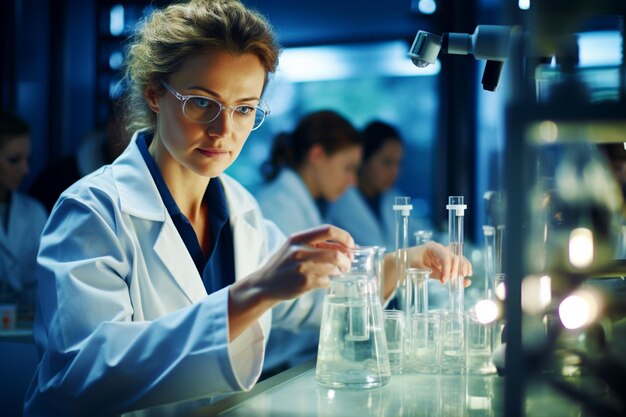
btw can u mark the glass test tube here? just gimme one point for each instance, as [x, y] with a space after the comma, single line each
[456, 213]
[489, 232]
[402, 207]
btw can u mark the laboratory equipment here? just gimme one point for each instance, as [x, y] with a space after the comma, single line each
[395, 329]
[402, 207]
[479, 343]
[379, 270]
[418, 279]
[489, 42]
[423, 236]
[452, 343]
[424, 347]
[489, 233]
[352, 350]
[456, 212]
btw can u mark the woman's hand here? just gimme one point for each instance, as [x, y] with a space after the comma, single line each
[302, 264]
[442, 263]
[305, 261]
[438, 258]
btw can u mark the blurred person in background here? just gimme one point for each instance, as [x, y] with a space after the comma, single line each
[97, 149]
[22, 217]
[365, 210]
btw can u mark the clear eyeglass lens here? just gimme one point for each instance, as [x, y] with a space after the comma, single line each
[205, 110]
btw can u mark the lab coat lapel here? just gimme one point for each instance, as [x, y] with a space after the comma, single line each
[139, 197]
[171, 250]
[248, 239]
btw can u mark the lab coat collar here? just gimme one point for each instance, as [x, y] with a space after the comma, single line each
[140, 197]
[138, 193]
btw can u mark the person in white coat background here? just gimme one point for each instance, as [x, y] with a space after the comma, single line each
[306, 169]
[159, 278]
[365, 211]
[22, 217]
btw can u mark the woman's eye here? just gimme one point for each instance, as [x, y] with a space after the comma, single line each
[203, 102]
[245, 110]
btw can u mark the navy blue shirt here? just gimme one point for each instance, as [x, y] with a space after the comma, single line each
[218, 268]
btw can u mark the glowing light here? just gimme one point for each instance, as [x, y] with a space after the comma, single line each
[548, 131]
[116, 59]
[116, 22]
[579, 309]
[500, 286]
[338, 62]
[545, 290]
[580, 247]
[599, 48]
[330, 394]
[523, 4]
[427, 6]
[486, 311]
[536, 293]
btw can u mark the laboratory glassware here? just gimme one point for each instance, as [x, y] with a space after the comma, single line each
[489, 233]
[423, 236]
[352, 350]
[424, 345]
[379, 270]
[456, 213]
[418, 279]
[402, 207]
[395, 333]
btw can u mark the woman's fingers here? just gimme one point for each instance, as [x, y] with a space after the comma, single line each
[323, 234]
[322, 261]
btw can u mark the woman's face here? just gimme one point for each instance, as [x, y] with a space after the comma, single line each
[207, 149]
[337, 172]
[14, 162]
[381, 169]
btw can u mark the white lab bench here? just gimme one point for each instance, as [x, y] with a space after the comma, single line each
[296, 393]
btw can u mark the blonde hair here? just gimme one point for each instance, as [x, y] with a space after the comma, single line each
[170, 35]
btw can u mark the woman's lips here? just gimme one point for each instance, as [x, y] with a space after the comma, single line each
[213, 153]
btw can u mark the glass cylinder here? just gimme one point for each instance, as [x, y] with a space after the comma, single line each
[456, 214]
[489, 233]
[402, 207]
[352, 351]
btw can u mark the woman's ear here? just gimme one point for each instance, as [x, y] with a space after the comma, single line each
[151, 95]
[316, 154]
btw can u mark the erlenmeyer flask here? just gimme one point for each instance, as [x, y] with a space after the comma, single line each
[352, 350]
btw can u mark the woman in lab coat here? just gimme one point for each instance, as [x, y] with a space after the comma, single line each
[22, 217]
[307, 168]
[158, 272]
[365, 211]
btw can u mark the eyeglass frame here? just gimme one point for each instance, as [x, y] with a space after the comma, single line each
[183, 100]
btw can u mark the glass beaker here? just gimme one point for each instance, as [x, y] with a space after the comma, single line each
[352, 350]
[418, 279]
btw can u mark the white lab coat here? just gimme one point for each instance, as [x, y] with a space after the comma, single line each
[19, 244]
[288, 203]
[125, 321]
[352, 213]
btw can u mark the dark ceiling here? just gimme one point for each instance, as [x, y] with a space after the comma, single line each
[342, 21]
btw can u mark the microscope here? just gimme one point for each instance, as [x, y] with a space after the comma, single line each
[488, 42]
